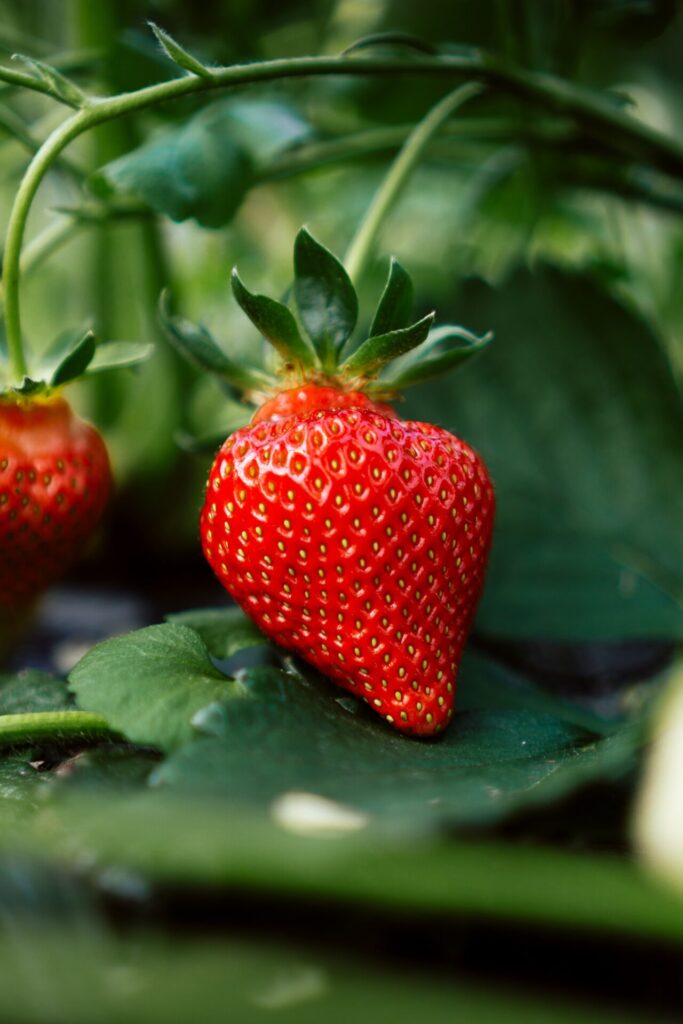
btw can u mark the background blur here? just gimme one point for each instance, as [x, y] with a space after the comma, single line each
[518, 220]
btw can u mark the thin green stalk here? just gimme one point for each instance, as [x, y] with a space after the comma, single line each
[52, 725]
[362, 244]
[611, 125]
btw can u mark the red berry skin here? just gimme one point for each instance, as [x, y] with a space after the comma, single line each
[359, 542]
[55, 480]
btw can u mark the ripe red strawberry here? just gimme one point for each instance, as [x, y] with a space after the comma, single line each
[359, 542]
[54, 483]
[352, 538]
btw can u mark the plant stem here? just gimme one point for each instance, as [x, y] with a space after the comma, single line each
[398, 174]
[51, 725]
[598, 116]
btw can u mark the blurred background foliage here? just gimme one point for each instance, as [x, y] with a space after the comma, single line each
[518, 219]
[234, 177]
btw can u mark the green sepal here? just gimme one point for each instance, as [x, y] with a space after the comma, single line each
[118, 355]
[275, 322]
[175, 52]
[325, 298]
[197, 345]
[396, 304]
[61, 88]
[28, 386]
[75, 361]
[432, 360]
[376, 352]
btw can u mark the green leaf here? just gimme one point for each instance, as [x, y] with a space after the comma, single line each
[275, 322]
[378, 351]
[486, 766]
[571, 586]
[225, 631]
[152, 977]
[33, 691]
[149, 684]
[196, 344]
[61, 88]
[579, 417]
[196, 170]
[119, 355]
[396, 304]
[437, 356]
[325, 297]
[265, 127]
[177, 54]
[76, 362]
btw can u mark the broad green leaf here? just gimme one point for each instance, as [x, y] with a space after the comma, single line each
[118, 355]
[325, 297]
[487, 764]
[265, 127]
[396, 304]
[377, 351]
[196, 170]
[32, 691]
[177, 54]
[76, 362]
[275, 322]
[149, 684]
[19, 780]
[225, 631]
[577, 413]
[153, 978]
[290, 852]
[565, 584]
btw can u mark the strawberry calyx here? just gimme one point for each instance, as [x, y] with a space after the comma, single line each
[313, 345]
[73, 354]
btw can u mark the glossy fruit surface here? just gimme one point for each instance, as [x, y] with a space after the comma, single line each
[54, 484]
[359, 542]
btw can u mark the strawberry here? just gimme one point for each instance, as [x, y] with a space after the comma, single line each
[54, 472]
[54, 484]
[353, 538]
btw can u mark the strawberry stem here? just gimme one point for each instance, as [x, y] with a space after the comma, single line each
[400, 170]
[625, 135]
[52, 725]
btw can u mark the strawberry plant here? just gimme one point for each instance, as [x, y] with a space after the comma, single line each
[385, 749]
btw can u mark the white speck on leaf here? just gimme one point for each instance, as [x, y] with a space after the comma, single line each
[310, 814]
